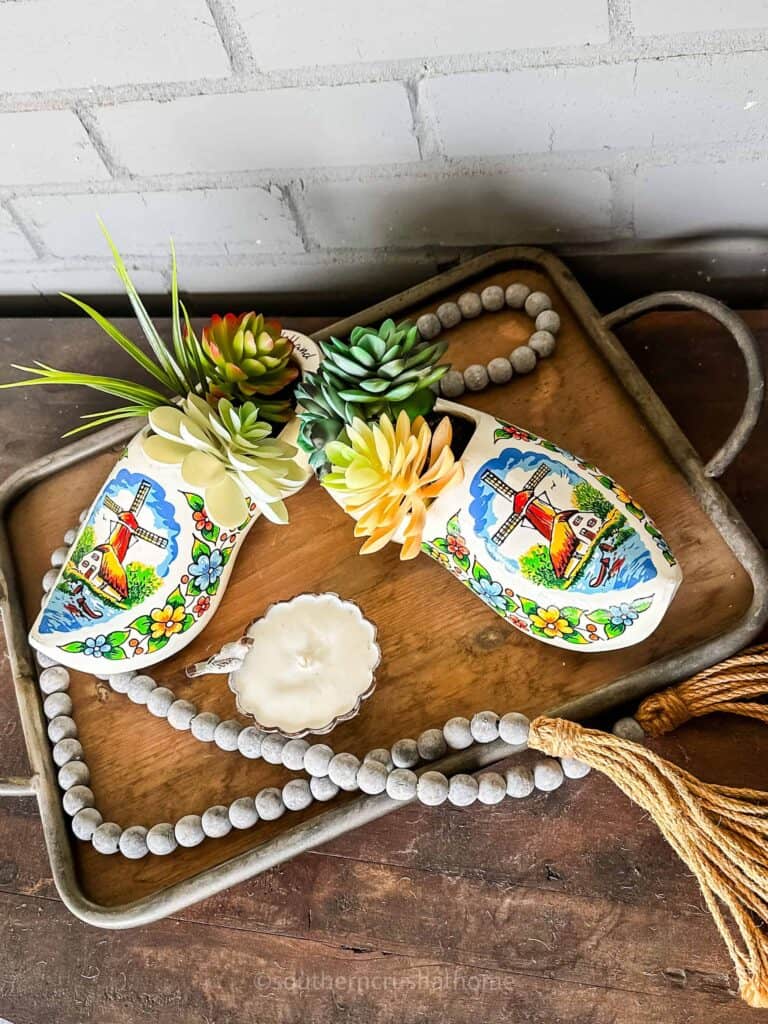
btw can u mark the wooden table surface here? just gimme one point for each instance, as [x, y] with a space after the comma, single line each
[567, 907]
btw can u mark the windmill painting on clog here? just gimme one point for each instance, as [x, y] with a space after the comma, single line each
[154, 553]
[546, 539]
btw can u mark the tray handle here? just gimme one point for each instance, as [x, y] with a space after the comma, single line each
[16, 785]
[748, 347]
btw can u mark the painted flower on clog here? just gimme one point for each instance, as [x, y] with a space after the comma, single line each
[550, 621]
[96, 646]
[166, 621]
[622, 614]
[457, 546]
[202, 605]
[490, 592]
[201, 520]
[228, 454]
[206, 569]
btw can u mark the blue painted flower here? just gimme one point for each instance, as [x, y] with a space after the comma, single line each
[206, 569]
[492, 593]
[97, 646]
[622, 614]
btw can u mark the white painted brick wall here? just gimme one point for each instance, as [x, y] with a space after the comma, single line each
[66, 151]
[337, 147]
[295, 33]
[353, 124]
[215, 222]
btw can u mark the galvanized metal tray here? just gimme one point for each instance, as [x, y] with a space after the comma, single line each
[335, 820]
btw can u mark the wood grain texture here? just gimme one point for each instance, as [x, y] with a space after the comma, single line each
[567, 908]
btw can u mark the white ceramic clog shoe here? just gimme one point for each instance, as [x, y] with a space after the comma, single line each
[149, 565]
[549, 542]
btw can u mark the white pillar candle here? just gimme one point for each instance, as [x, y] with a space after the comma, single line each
[310, 662]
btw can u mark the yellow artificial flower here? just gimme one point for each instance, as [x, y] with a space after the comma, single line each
[551, 622]
[166, 621]
[387, 474]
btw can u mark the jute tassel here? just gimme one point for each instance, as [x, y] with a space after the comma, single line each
[720, 832]
[723, 687]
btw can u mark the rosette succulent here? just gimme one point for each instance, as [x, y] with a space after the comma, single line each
[229, 454]
[385, 476]
[388, 370]
[247, 356]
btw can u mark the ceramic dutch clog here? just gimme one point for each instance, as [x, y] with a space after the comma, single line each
[549, 542]
[148, 567]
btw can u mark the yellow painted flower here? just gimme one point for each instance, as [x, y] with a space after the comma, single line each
[622, 495]
[166, 621]
[551, 621]
[386, 474]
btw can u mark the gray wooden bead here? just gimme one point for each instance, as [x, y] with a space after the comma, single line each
[70, 537]
[492, 298]
[382, 755]
[272, 748]
[543, 344]
[343, 771]
[322, 788]
[74, 773]
[242, 812]
[215, 822]
[293, 754]
[44, 661]
[54, 679]
[516, 294]
[449, 314]
[405, 753]
[476, 377]
[106, 838]
[49, 579]
[85, 823]
[227, 734]
[500, 370]
[629, 729]
[203, 726]
[547, 775]
[120, 681]
[519, 781]
[432, 745]
[133, 842]
[470, 305]
[548, 320]
[76, 798]
[56, 704]
[269, 804]
[536, 303]
[67, 750]
[181, 713]
[457, 733]
[428, 326]
[189, 831]
[161, 839]
[372, 777]
[485, 726]
[432, 788]
[160, 700]
[452, 384]
[514, 728]
[297, 795]
[139, 689]
[317, 758]
[491, 788]
[462, 790]
[401, 784]
[573, 768]
[59, 557]
[523, 359]
[249, 742]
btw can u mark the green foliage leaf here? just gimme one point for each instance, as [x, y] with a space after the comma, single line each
[528, 606]
[452, 526]
[195, 501]
[571, 615]
[186, 622]
[575, 638]
[642, 604]
[175, 599]
[226, 554]
[479, 572]
[211, 533]
[142, 625]
[600, 616]
[76, 647]
[612, 630]
[115, 654]
[462, 562]
[157, 644]
[119, 636]
[441, 544]
[199, 548]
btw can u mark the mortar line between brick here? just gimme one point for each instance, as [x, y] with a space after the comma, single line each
[27, 230]
[424, 123]
[620, 24]
[233, 36]
[87, 119]
[292, 197]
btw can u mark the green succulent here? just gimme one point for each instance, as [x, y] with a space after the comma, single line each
[247, 356]
[388, 370]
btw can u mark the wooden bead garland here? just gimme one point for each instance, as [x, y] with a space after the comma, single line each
[541, 343]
